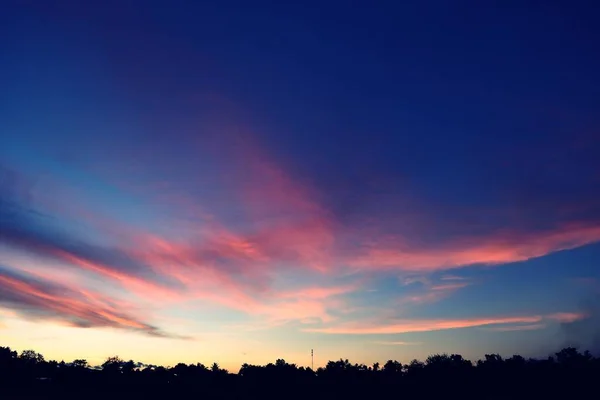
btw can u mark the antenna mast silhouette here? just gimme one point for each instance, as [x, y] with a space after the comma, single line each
[312, 360]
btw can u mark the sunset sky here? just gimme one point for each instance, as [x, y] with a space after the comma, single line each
[245, 181]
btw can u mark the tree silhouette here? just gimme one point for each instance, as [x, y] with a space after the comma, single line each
[31, 357]
[569, 373]
[392, 367]
[80, 363]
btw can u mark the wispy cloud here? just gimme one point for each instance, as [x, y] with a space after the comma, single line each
[430, 292]
[416, 325]
[399, 343]
[408, 326]
[453, 278]
[530, 327]
[222, 267]
[318, 292]
[493, 249]
[226, 270]
[38, 299]
[279, 228]
[567, 317]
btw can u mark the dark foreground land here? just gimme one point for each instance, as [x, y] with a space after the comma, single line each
[568, 374]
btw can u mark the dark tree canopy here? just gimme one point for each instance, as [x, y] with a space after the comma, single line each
[568, 373]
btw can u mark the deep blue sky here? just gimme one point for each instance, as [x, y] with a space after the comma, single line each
[329, 173]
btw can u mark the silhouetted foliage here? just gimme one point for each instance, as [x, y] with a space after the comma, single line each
[568, 373]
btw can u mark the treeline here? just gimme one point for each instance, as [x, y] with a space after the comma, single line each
[567, 373]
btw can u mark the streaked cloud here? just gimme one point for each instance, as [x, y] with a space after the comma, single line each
[430, 292]
[530, 327]
[416, 325]
[566, 317]
[399, 343]
[176, 272]
[281, 229]
[36, 299]
[493, 249]
[452, 278]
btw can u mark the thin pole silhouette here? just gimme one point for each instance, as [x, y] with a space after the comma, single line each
[312, 360]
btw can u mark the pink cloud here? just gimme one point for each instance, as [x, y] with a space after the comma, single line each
[307, 305]
[287, 230]
[201, 278]
[282, 228]
[279, 308]
[567, 317]
[285, 225]
[315, 292]
[296, 310]
[288, 222]
[245, 285]
[135, 284]
[394, 253]
[70, 305]
[408, 326]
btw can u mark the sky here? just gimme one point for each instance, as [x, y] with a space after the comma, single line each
[244, 181]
